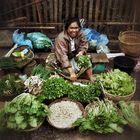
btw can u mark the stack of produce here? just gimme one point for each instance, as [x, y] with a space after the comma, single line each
[24, 112]
[101, 117]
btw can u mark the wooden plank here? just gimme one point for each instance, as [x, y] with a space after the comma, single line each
[121, 8]
[115, 9]
[56, 14]
[67, 9]
[90, 15]
[39, 10]
[34, 12]
[80, 8]
[127, 9]
[97, 8]
[51, 9]
[73, 8]
[27, 9]
[60, 10]
[85, 9]
[103, 5]
[108, 15]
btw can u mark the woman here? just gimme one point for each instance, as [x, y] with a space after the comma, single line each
[69, 45]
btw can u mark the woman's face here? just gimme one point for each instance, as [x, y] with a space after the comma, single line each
[73, 29]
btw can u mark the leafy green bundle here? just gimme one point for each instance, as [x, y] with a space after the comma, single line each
[117, 82]
[85, 93]
[101, 117]
[130, 114]
[55, 87]
[41, 71]
[11, 84]
[23, 112]
[84, 61]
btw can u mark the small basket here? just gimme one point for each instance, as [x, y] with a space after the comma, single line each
[29, 56]
[130, 43]
[117, 98]
[65, 99]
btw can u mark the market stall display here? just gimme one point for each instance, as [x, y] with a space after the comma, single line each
[101, 117]
[23, 113]
[117, 85]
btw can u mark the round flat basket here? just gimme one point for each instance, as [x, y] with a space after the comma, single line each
[117, 98]
[64, 112]
[130, 43]
[28, 57]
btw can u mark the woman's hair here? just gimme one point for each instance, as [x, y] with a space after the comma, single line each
[71, 20]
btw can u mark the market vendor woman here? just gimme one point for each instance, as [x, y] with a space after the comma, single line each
[69, 46]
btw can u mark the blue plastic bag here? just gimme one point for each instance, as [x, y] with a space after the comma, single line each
[20, 39]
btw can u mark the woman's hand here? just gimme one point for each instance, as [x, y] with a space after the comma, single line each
[79, 54]
[73, 77]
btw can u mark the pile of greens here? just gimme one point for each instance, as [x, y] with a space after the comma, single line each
[11, 84]
[41, 71]
[23, 112]
[101, 117]
[84, 61]
[55, 87]
[86, 93]
[129, 112]
[117, 82]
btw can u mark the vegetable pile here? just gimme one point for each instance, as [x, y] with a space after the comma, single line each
[85, 93]
[84, 61]
[130, 114]
[101, 117]
[34, 84]
[23, 112]
[41, 71]
[10, 84]
[55, 87]
[117, 82]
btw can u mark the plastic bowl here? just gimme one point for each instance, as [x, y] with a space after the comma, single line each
[124, 63]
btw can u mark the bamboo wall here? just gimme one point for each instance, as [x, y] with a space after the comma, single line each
[106, 16]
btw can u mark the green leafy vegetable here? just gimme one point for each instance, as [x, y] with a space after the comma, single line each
[23, 112]
[102, 117]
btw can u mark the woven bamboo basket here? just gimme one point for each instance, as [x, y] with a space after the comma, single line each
[117, 98]
[80, 106]
[130, 43]
[29, 56]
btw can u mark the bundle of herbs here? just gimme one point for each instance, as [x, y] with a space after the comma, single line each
[84, 61]
[55, 87]
[11, 84]
[85, 94]
[101, 117]
[41, 71]
[23, 112]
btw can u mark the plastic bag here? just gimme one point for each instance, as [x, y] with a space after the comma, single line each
[96, 40]
[20, 39]
[40, 40]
